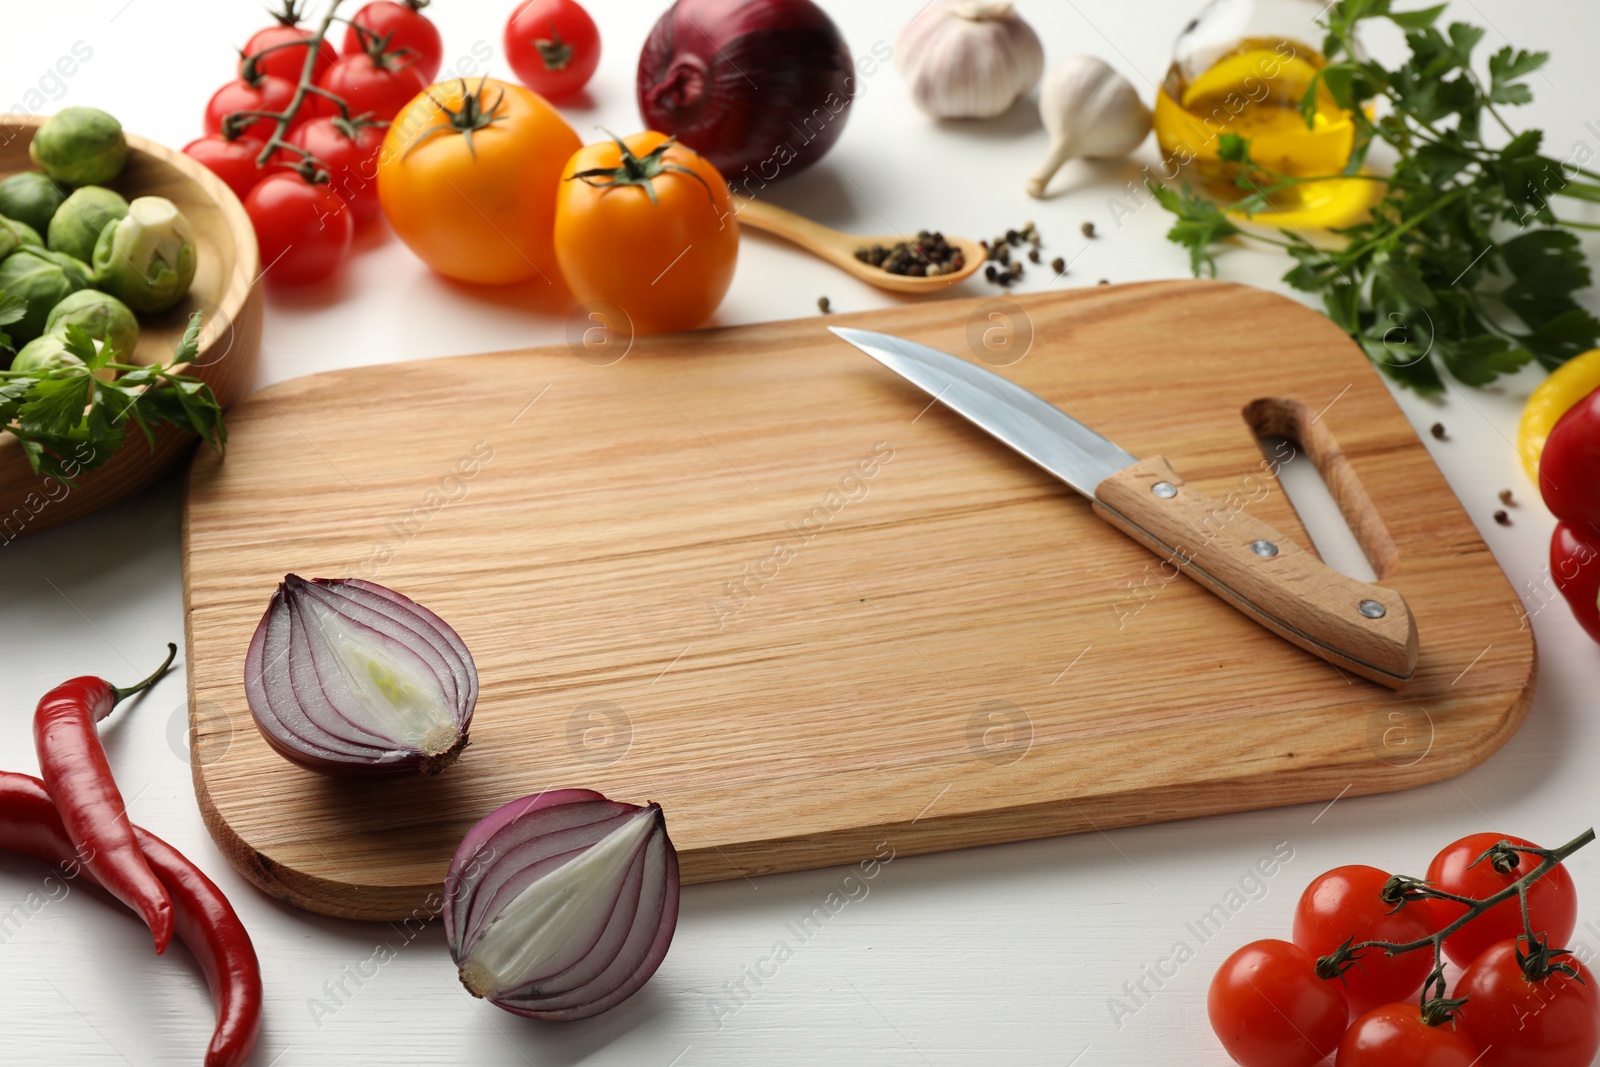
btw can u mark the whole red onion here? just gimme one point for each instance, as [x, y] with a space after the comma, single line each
[761, 88]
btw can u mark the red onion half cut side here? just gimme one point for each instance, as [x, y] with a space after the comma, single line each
[560, 906]
[346, 677]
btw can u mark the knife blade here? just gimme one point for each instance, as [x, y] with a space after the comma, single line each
[1358, 626]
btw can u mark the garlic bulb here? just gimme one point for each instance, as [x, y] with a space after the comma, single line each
[968, 59]
[1091, 112]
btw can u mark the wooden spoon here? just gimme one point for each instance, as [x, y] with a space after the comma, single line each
[839, 248]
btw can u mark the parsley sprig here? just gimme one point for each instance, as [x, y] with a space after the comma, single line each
[69, 421]
[1464, 265]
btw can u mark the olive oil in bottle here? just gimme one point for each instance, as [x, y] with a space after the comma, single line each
[1252, 86]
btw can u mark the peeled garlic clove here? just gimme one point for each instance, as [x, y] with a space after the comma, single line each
[968, 59]
[1091, 112]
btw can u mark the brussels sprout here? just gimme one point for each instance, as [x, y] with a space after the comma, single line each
[102, 316]
[80, 146]
[43, 279]
[32, 198]
[10, 236]
[26, 235]
[147, 258]
[44, 353]
[49, 352]
[77, 223]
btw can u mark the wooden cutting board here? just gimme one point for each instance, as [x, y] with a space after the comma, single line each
[754, 576]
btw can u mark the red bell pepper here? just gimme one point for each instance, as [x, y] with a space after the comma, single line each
[1569, 480]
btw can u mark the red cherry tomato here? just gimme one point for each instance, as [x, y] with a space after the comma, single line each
[233, 161]
[553, 46]
[1553, 1022]
[1269, 1008]
[1345, 904]
[379, 87]
[266, 94]
[288, 62]
[407, 28]
[1395, 1036]
[304, 230]
[1552, 900]
[351, 161]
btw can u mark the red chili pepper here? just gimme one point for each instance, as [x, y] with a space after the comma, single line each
[73, 765]
[1569, 479]
[207, 924]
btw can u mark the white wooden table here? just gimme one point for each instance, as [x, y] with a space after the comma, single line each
[1052, 952]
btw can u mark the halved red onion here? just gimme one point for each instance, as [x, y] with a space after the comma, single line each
[560, 906]
[345, 677]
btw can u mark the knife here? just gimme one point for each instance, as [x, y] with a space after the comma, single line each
[1359, 627]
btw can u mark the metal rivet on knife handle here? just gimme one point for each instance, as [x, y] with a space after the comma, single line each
[1357, 626]
[1216, 543]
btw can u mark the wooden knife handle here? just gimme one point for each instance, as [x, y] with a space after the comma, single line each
[1358, 627]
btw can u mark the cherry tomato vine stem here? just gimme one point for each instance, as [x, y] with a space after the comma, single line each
[308, 166]
[1539, 961]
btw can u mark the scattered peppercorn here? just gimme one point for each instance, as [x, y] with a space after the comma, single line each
[1507, 499]
[823, 305]
[1058, 265]
[1438, 431]
[1087, 229]
[927, 255]
[1502, 518]
[1026, 240]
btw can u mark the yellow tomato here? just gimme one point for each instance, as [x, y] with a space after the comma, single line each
[1567, 384]
[648, 225]
[467, 177]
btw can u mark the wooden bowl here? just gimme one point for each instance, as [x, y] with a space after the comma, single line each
[226, 291]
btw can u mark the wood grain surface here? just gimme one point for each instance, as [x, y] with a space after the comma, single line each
[225, 291]
[752, 575]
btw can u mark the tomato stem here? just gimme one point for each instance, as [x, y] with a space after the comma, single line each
[309, 166]
[1441, 1009]
[638, 170]
[1539, 961]
[471, 117]
[376, 46]
[554, 53]
[250, 66]
[1502, 856]
[288, 13]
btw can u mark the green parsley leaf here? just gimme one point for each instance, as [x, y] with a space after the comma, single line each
[1465, 265]
[69, 421]
[1201, 224]
[1417, 20]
